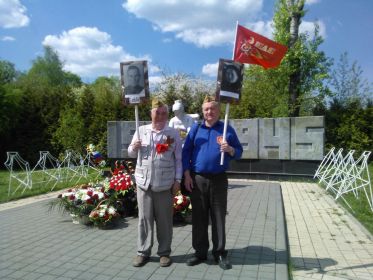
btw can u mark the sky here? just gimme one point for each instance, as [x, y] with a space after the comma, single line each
[92, 37]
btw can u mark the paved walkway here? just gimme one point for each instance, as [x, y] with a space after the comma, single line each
[35, 244]
[324, 241]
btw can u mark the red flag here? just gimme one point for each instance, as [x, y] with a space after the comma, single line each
[252, 48]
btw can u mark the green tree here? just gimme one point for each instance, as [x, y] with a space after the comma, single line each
[8, 72]
[349, 125]
[349, 114]
[85, 102]
[69, 134]
[348, 82]
[107, 99]
[11, 105]
[295, 12]
[9, 97]
[263, 94]
[298, 84]
[305, 66]
[47, 70]
[46, 90]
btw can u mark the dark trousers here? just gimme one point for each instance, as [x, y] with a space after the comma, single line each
[209, 199]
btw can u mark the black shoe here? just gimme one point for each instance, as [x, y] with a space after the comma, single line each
[194, 261]
[223, 262]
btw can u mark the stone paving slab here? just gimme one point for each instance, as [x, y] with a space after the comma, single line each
[28, 200]
[35, 244]
[325, 241]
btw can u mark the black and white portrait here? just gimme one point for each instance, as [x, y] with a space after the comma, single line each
[134, 78]
[134, 85]
[229, 84]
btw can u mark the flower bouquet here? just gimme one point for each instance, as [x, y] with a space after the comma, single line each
[104, 216]
[122, 189]
[182, 208]
[102, 203]
[79, 201]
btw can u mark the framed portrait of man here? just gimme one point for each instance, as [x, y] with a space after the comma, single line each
[229, 83]
[134, 81]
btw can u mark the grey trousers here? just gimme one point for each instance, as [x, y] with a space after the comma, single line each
[154, 207]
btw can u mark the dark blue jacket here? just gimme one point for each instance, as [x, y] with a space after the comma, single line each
[201, 151]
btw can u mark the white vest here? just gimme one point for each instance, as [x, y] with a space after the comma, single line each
[153, 168]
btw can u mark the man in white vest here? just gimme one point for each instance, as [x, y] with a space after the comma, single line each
[158, 175]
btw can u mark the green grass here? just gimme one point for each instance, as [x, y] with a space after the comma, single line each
[290, 268]
[41, 184]
[360, 207]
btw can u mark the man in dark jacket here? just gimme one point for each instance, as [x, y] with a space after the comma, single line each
[207, 181]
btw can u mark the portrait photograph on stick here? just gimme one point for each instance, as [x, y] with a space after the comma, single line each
[134, 80]
[229, 84]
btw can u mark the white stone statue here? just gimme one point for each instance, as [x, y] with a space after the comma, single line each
[182, 122]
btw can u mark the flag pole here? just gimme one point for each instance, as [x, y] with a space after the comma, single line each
[224, 132]
[137, 132]
[228, 105]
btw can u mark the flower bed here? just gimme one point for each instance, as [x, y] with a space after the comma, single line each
[103, 204]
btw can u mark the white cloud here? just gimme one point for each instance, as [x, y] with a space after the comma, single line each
[207, 23]
[89, 52]
[309, 27]
[210, 70]
[13, 14]
[8, 38]
[203, 37]
[155, 80]
[262, 28]
[204, 23]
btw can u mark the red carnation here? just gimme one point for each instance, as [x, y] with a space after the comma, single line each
[161, 148]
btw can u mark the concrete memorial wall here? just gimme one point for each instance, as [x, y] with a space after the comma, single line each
[289, 139]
